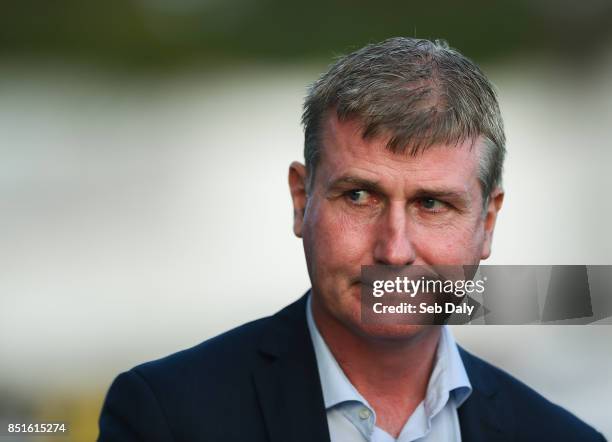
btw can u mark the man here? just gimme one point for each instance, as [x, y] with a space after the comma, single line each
[404, 147]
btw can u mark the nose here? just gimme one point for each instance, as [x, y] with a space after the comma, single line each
[393, 245]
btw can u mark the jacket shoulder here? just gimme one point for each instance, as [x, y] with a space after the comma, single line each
[226, 354]
[532, 413]
[165, 399]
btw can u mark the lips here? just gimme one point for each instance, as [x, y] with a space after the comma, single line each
[378, 272]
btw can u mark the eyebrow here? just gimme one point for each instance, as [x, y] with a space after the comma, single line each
[362, 183]
[442, 193]
[421, 192]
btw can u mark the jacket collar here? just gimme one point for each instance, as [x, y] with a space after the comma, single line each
[287, 379]
[484, 416]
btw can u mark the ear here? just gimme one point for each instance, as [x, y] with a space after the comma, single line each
[496, 199]
[297, 187]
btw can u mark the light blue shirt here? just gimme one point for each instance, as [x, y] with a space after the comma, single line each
[351, 418]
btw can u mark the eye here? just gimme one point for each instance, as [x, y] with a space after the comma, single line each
[433, 205]
[358, 196]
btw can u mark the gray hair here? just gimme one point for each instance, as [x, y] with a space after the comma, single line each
[416, 92]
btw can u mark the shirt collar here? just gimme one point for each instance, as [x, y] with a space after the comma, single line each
[448, 378]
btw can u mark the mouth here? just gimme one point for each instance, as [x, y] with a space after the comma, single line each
[358, 281]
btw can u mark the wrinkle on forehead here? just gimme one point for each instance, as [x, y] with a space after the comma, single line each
[346, 137]
[413, 144]
[335, 129]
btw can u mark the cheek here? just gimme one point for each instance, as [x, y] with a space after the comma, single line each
[336, 239]
[456, 243]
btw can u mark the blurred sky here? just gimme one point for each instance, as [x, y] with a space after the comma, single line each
[143, 196]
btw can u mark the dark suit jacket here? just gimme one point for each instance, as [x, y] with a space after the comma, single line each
[259, 382]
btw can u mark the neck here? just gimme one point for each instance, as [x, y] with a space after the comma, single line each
[391, 373]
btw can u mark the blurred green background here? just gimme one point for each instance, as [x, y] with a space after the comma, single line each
[163, 34]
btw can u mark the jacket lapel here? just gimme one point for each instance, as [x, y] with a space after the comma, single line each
[287, 379]
[483, 414]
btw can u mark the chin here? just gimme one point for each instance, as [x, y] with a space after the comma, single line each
[392, 332]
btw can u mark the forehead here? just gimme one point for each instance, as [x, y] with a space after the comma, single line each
[346, 152]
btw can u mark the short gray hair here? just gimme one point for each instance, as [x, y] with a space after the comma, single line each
[416, 92]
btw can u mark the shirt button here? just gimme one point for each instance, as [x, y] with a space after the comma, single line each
[364, 413]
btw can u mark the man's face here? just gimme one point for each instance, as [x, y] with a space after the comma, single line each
[368, 206]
